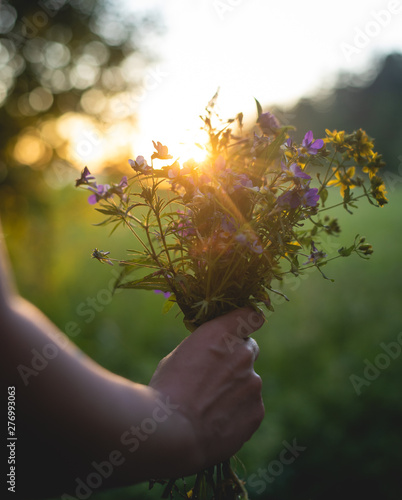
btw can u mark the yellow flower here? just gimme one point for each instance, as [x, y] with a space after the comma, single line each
[343, 179]
[362, 146]
[338, 138]
[378, 190]
[373, 165]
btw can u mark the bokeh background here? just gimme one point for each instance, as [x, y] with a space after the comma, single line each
[92, 82]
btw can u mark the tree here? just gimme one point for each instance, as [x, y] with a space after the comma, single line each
[60, 59]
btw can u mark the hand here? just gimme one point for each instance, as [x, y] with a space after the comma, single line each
[210, 375]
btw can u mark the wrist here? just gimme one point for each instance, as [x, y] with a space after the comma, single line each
[181, 452]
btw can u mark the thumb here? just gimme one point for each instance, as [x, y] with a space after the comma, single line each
[240, 323]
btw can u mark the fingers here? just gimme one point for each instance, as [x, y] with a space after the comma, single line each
[253, 346]
[243, 321]
[236, 325]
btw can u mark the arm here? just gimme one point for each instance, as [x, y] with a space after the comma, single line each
[202, 404]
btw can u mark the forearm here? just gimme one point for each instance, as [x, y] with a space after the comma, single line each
[80, 414]
[7, 285]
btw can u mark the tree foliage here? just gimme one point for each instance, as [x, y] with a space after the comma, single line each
[65, 56]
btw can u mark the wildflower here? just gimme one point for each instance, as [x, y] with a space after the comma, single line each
[297, 197]
[161, 152]
[344, 180]
[310, 145]
[295, 171]
[315, 255]
[228, 226]
[310, 197]
[243, 181]
[100, 192]
[268, 123]
[289, 146]
[85, 178]
[374, 165]
[101, 256]
[289, 143]
[119, 188]
[290, 198]
[183, 228]
[362, 145]
[259, 143]
[378, 190]
[174, 171]
[165, 294]
[248, 238]
[337, 138]
[140, 165]
[256, 247]
[104, 191]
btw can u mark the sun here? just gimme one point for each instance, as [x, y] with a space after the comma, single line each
[196, 152]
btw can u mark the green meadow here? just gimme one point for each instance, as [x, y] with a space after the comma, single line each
[315, 349]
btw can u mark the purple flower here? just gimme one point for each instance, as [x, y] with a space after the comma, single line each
[228, 226]
[100, 192]
[165, 294]
[174, 171]
[268, 123]
[184, 228]
[85, 178]
[289, 144]
[311, 197]
[310, 144]
[256, 247]
[104, 191]
[295, 198]
[249, 240]
[295, 171]
[315, 255]
[243, 181]
[119, 188]
[140, 165]
[290, 198]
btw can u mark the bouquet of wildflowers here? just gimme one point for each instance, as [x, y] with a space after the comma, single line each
[216, 235]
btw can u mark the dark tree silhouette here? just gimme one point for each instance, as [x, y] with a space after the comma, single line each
[60, 56]
[374, 105]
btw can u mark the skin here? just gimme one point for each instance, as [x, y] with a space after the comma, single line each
[201, 405]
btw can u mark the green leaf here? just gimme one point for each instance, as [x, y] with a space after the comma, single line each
[149, 282]
[345, 252]
[169, 303]
[324, 196]
[144, 285]
[259, 109]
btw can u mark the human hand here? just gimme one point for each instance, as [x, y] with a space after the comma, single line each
[211, 376]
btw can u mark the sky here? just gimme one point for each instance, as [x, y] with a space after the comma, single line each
[274, 51]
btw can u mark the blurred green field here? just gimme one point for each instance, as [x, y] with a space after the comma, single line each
[309, 347]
